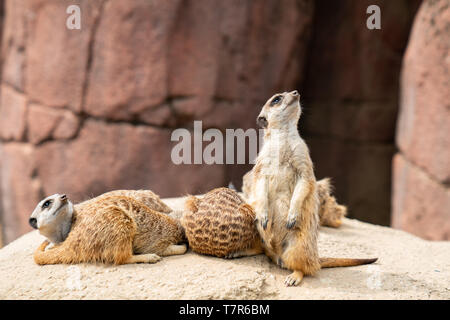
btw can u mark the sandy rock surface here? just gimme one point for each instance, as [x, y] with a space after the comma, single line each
[408, 268]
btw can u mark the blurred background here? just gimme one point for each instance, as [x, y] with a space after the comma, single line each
[87, 111]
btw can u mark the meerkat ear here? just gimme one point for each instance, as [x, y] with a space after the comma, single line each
[191, 204]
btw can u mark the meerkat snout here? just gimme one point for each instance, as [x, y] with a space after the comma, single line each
[295, 96]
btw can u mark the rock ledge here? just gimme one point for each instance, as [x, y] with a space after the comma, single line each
[408, 268]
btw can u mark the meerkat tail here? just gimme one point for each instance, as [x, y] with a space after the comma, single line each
[344, 262]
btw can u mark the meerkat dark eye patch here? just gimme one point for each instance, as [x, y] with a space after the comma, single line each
[276, 100]
[46, 204]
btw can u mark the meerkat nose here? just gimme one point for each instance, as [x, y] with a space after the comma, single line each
[33, 223]
[294, 93]
[63, 197]
[262, 122]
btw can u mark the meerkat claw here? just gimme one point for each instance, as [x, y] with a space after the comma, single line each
[231, 255]
[293, 279]
[290, 224]
[264, 222]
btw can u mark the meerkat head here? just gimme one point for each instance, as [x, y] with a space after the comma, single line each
[52, 217]
[281, 110]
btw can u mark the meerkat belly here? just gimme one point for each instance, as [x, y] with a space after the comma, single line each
[280, 189]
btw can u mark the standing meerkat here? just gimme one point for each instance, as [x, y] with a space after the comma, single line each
[284, 193]
[330, 212]
[110, 229]
[221, 224]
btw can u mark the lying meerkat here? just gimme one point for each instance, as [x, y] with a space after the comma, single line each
[284, 193]
[221, 224]
[110, 229]
[330, 212]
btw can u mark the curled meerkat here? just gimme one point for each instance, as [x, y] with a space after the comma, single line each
[284, 194]
[221, 224]
[110, 229]
[330, 212]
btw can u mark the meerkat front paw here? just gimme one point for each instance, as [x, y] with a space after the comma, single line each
[44, 245]
[147, 258]
[294, 279]
[51, 245]
[153, 258]
[232, 255]
[263, 217]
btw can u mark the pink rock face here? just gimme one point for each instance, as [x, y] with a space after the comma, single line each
[12, 114]
[119, 156]
[424, 120]
[45, 123]
[57, 57]
[20, 188]
[94, 108]
[13, 43]
[420, 205]
[423, 127]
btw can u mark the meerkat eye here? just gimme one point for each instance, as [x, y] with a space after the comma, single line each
[46, 204]
[276, 100]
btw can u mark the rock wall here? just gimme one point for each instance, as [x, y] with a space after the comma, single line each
[86, 111]
[421, 182]
[90, 110]
[350, 100]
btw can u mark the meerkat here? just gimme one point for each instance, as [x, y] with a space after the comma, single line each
[111, 229]
[221, 224]
[330, 212]
[284, 193]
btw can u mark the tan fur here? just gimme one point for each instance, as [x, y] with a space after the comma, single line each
[147, 197]
[283, 191]
[221, 224]
[114, 229]
[330, 212]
